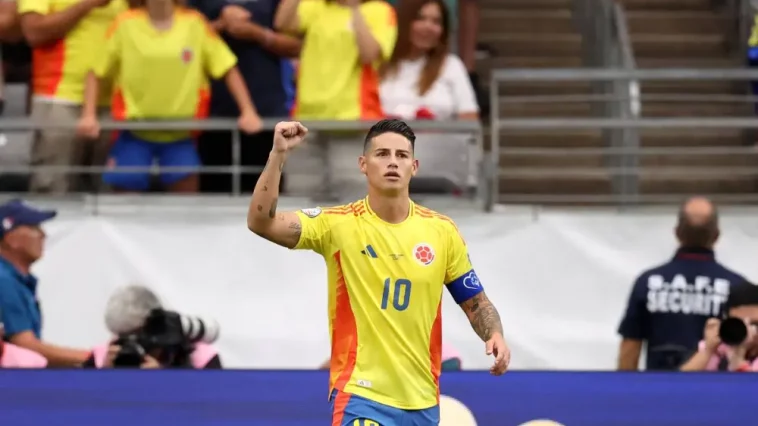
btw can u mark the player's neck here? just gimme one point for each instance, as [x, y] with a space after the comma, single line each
[160, 12]
[21, 265]
[391, 209]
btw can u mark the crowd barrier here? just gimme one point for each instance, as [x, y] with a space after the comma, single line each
[289, 398]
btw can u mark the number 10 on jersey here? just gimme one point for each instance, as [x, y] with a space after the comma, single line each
[399, 291]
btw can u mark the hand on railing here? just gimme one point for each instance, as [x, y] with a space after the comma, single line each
[88, 127]
[250, 122]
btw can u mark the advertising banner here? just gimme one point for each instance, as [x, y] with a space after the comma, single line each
[290, 398]
[271, 303]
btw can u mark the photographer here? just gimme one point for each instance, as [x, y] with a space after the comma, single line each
[730, 344]
[150, 337]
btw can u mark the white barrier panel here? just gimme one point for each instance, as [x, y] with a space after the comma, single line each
[560, 282]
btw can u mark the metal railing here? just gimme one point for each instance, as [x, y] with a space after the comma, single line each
[321, 132]
[628, 155]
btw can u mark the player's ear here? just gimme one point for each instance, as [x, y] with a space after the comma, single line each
[415, 167]
[362, 163]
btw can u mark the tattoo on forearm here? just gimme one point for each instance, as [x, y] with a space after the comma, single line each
[296, 228]
[272, 210]
[483, 316]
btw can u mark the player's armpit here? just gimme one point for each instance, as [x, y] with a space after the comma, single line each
[481, 313]
[284, 230]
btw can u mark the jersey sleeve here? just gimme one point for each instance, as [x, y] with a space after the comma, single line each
[460, 278]
[218, 59]
[308, 12]
[634, 324]
[110, 56]
[34, 6]
[382, 22]
[315, 230]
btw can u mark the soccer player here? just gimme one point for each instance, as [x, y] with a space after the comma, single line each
[388, 260]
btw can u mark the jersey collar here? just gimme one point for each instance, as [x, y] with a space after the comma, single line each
[411, 211]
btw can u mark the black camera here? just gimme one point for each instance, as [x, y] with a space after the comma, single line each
[733, 331]
[171, 335]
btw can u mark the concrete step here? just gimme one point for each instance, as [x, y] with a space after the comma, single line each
[653, 184]
[489, 5]
[693, 87]
[541, 45]
[546, 138]
[695, 109]
[677, 22]
[691, 137]
[670, 5]
[510, 21]
[704, 62]
[510, 158]
[703, 161]
[544, 88]
[530, 62]
[545, 109]
[679, 45]
[598, 183]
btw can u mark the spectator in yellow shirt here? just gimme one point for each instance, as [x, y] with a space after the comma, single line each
[161, 55]
[345, 41]
[67, 36]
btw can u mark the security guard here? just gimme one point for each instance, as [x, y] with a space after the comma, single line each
[669, 304]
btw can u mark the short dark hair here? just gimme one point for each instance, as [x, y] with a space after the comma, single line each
[390, 126]
[693, 233]
[743, 293]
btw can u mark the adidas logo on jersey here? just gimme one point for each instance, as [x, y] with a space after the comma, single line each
[369, 251]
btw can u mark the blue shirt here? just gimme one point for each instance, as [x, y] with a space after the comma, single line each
[669, 305]
[18, 301]
[261, 69]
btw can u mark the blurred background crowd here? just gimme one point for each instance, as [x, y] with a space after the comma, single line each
[167, 60]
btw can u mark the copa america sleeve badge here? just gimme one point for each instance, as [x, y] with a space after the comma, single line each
[311, 213]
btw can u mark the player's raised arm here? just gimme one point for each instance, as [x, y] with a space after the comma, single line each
[262, 218]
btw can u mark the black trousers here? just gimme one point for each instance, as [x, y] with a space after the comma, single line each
[215, 149]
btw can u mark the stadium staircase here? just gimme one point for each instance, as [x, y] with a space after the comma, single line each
[664, 33]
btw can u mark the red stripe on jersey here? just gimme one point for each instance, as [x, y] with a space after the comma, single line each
[435, 349]
[344, 333]
[340, 404]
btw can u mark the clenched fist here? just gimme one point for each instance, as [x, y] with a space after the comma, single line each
[288, 135]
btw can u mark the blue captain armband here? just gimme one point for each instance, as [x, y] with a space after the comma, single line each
[465, 287]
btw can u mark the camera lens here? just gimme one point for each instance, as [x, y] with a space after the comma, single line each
[733, 331]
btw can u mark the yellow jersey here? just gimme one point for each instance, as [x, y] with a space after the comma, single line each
[385, 298]
[331, 82]
[59, 69]
[753, 40]
[163, 74]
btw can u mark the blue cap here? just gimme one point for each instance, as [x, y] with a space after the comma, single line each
[15, 213]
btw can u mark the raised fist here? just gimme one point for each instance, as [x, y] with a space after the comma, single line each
[288, 135]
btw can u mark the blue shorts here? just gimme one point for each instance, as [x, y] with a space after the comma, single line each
[131, 151]
[353, 410]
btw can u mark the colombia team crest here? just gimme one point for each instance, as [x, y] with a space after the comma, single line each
[186, 55]
[423, 253]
